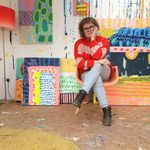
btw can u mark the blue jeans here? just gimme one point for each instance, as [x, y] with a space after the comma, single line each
[94, 79]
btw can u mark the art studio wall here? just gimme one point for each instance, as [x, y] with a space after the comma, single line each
[127, 25]
[60, 46]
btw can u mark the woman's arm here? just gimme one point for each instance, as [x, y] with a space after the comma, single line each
[78, 54]
[99, 48]
[104, 61]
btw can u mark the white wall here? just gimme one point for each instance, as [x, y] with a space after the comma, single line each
[1, 68]
[2, 90]
[60, 41]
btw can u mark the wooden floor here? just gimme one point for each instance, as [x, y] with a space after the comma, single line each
[130, 128]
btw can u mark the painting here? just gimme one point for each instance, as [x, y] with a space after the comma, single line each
[69, 87]
[35, 61]
[19, 80]
[81, 7]
[127, 25]
[19, 66]
[68, 83]
[43, 85]
[19, 91]
[36, 21]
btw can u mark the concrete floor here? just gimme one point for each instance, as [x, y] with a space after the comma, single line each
[130, 128]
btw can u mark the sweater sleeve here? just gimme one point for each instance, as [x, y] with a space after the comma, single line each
[99, 48]
[78, 54]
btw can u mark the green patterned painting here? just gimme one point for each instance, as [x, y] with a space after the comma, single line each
[35, 20]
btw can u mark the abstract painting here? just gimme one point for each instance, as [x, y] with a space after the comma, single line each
[43, 85]
[19, 80]
[126, 23]
[81, 7]
[35, 20]
[35, 61]
[19, 91]
[69, 87]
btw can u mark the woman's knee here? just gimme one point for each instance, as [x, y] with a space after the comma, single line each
[105, 73]
[97, 66]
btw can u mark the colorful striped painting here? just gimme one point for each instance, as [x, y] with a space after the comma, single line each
[43, 85]
[81, 7]
[34, 61]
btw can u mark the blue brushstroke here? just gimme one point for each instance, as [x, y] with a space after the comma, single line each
[96, 5]
[65, 17]
[131, 37]
[70, 7]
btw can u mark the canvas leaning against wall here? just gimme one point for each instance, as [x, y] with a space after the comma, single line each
[36, 21]
[127, 25]
[46, 81]
[36, 89]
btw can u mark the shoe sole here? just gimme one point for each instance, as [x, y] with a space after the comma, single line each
[76, 105]
[106, 124]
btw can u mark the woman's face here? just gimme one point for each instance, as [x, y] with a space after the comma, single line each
[88, 29]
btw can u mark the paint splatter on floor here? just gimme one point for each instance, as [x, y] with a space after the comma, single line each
[20, 139]
[130, 125]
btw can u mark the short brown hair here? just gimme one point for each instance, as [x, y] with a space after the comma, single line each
[85, 21]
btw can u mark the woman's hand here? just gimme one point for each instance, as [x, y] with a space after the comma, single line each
[104, 61]
[94, 34]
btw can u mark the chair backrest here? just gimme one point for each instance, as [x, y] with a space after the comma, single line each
[112, 80]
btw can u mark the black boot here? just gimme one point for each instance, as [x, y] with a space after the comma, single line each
[107, 116]
[79, 98]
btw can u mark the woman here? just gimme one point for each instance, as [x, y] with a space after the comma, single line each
[90, 54]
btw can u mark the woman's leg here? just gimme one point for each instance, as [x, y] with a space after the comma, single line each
[94, 79]
[89, 78]
[98, 86]
[101, 96]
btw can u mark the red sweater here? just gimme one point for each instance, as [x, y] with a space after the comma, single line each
[86, 52]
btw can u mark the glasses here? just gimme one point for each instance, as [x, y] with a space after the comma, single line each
[88, 29]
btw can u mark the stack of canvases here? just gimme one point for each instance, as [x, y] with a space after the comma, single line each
[19, 80]
[43, 81]
[69, 87]
[40, 81]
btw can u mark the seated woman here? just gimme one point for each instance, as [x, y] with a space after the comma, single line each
[90, 54]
